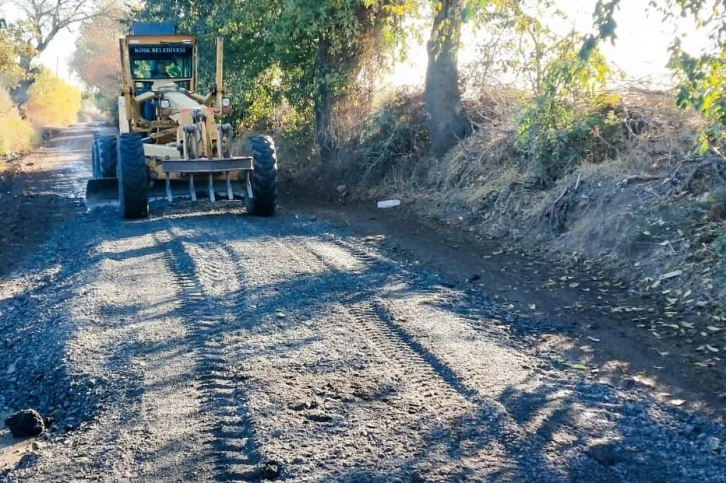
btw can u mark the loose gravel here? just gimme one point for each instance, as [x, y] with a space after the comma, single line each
[205, 345]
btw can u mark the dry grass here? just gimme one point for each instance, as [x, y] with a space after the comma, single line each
[16, 134]
[639, 207]
[485, 170]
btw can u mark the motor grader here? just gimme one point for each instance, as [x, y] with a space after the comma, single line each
[172, 140]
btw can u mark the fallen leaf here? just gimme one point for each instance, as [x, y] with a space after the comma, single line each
[574, 285]
[678, 402]
[712, 348]
[593, 339]
[673, 274]
[532, 306]
[579, 367]
[714, 329]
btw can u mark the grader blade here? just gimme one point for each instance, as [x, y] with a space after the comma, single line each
[101, 192]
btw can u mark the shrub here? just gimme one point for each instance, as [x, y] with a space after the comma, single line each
[396, 130]
[16, 134]
[52, 102]
[568, 121]
[557, 136]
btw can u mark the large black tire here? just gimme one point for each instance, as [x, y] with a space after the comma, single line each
[107, 155]
[133, 183]
[95, 161]
[263, 178]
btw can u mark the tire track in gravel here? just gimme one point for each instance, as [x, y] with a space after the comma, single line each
[438, 387]
[563, 425]
[233, 348]
[198, 268]
[485, 424]
[432, 394]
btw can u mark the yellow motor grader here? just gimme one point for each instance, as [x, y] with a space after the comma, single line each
[172, 141]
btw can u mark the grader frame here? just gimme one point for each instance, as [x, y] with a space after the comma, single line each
[177, 131]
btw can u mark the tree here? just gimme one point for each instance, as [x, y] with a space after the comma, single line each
[44, 19]
[11, 51]
[702, 78]
[446, 119]
[447, 122]
[96, 57]
[312, 50]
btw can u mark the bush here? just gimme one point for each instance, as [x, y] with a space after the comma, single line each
[556, 136]
[569, 120]
[52, 102]
[16, 134]
[395, 131]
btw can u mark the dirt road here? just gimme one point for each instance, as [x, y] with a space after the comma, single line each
[205, 345]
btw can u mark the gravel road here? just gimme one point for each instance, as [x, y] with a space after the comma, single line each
[205, 345]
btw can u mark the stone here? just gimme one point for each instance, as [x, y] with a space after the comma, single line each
[712, 444]
[603, 454]
[25, 423]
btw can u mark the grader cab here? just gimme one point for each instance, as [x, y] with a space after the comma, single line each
[172, 140]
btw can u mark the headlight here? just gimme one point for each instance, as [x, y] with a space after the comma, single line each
[226, 102]
[164, 104]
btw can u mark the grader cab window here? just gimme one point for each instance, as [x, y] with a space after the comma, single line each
[165, 61]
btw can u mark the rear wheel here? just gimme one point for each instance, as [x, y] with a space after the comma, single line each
[133, 186]
[107, 155]
[95, 162]
[263, 178]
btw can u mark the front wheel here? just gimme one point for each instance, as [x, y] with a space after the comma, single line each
[263, 178]
[133, 183]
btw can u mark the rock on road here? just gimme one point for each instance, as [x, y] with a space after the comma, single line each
[205, 345]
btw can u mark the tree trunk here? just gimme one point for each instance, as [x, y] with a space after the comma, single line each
[446, 120]
[323, 121]
[324, 106]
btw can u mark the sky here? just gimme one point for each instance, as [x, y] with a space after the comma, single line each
[641, 50]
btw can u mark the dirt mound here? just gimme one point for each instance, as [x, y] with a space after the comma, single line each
[25, 423]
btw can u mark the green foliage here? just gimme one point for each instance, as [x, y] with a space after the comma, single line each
[287, 51]
[10, 52]
[703, 87]
[515, 43]
[702, 77]
[569, 121]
